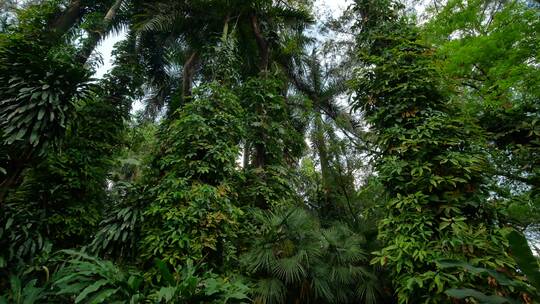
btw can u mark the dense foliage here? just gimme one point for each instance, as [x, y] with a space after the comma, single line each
[260, 152]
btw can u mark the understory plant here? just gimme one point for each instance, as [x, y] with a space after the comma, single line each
[293, 259]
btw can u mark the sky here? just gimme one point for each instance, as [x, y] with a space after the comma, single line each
[105, 49]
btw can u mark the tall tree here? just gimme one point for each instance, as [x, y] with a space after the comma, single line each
[488, 50]
[100, 30]
[432, 165]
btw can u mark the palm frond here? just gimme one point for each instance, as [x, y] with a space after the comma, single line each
[270, 291]
[290, 269]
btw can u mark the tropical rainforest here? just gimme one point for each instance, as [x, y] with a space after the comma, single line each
[269, 151]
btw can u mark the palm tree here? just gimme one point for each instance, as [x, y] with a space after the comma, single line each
[294, 260]
[95, 35]
[187, 30]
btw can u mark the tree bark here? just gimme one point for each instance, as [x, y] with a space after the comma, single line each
[320, 145]
[259, 158]
[187, 75]
[14, 174]
[264, 52]
[68, 19]
[95, 36]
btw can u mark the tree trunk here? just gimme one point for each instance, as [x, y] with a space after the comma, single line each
[260, 153]
[68, 19]
[187, 75]
[264, 51]
[95, 36]
[320, 144]
[259, 160]
[14, 174]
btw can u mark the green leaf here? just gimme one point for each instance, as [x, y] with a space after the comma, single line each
[15, 283]
[134, 282]
[34, 138]
[32, 295]
[71, 289]
[524, 257]
[9, 222]
[471, 293]
[67, 278]
[35, 95]
[102, 296]
[165, 272]
[20, 134]
[443, 225]
[41, 113]
[88, 290]
[501, 278]
[213, 286]
[166, 293]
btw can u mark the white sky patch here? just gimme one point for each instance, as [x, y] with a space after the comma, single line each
[105, 49]
[335, 7]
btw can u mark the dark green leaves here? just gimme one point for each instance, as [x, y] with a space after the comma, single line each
[527, 262]
[92, 280]
[432, 164]
[484, 299]
[193, 214]
[293, 252]
[23, 293]
[39, 91]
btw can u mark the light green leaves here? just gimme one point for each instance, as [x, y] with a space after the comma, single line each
[166, 294]
[433, 163]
